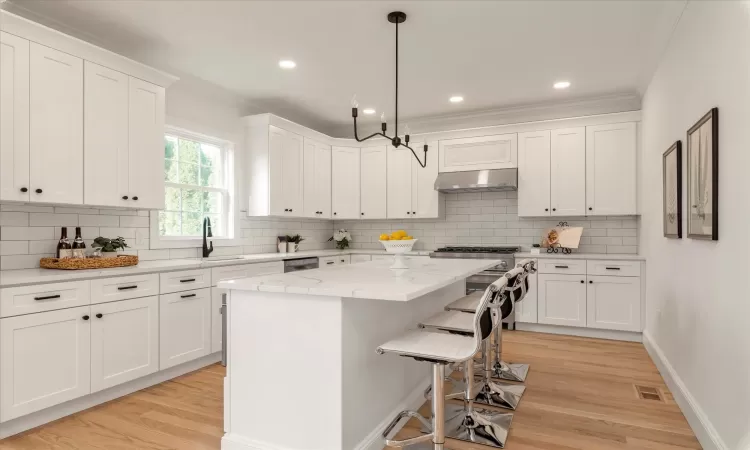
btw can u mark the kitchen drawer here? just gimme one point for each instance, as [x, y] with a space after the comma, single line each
[123, 288]
[43, 297]
[614, 268]
[562, 266]
[246, 270]
[328, 261]
[184, 280]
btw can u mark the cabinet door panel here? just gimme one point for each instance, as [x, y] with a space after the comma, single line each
[146, 145]
[216, 324]
[323, 180]
[44, 360]
[534, 174]
[56, 127]
[105, 140]
[614, 303]
[184, 327]
[562, 300]
[527, 308]
[399, 183]
[373, 182]
[478, 153]
[425, 200]
[568, 172]
[310, 198]
[345, 182]
[124, 341]
[14, 118]
[611, 169]
[287, 171]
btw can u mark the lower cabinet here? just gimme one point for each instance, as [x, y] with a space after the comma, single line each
[614, 303]
[328, 261]
[562, 300]
[44, 360]
[184, 326]
[360, 258]
[124, 341]
[526, 310]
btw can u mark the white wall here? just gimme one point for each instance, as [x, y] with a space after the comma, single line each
[698, 291]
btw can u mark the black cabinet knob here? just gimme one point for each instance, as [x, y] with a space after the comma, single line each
[135, 198]
[124, 197]
[591, 282]
[414, 213]
[591, 209]
[546, 209]
[290, 210]
[334, 214]
[407, 212]
[362, 214]
[554, 209]
[286, 210]
[85, 317]
[24, 190]
[99, 316]
[38, 191]
[582, 281]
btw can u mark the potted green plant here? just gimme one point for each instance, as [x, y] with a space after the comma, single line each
[293, 242]
[109, 247]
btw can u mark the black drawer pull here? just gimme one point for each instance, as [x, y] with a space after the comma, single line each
[49, 297]
[330, 262]
[612, 268]
[189, 280]
[561, 267]
[187, 296]
[125, 288]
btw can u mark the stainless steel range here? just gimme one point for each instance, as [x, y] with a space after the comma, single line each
[480, 281]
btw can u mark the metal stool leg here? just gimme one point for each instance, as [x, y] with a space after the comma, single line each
[496, 393]
[502, 370]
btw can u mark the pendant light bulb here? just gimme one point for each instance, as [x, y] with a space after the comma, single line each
[407, 130]
[382, 118]
[355, 103]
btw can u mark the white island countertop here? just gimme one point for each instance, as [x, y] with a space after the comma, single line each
[369, 280]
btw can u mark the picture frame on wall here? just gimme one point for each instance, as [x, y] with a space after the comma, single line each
[703, 177]
[672, 188]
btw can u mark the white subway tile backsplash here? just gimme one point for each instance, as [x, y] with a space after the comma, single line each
[26, 233]
[26, 208]
[134, 221]
[15, 219]
[42, 247]
[14, 248]
[99, 220]
[46, 219]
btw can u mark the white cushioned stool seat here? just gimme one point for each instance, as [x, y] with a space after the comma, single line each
[432, 346]
[456, 321]
[467, 304]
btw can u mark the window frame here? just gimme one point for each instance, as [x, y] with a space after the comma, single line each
[157, 241]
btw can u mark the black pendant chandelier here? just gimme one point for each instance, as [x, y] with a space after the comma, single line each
[396, 17]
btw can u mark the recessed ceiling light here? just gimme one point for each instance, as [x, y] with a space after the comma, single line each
[287, 64]
[561, 85]
[456, 99]
[368, 111]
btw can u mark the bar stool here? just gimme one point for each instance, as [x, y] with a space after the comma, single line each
[441, 349]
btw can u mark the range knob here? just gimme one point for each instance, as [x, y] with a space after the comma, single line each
[504, 263]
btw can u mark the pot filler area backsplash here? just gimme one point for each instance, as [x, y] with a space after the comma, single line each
[491, 218]
[30, 232]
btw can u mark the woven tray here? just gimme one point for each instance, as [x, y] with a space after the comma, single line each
[88, 263]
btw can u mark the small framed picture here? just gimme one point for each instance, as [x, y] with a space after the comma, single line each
[703, 177]
[672, 187]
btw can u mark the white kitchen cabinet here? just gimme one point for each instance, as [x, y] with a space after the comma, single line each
[611, 169]
[184, 327]
[146, 112]
[526, 310]
[14, 118]
[374, 173]
[329, 261]
[317, 180]
[216, 322]
[345, 182]
[56, 126]
[534, 173]
[562, 299]
[44, 360]
[286, 164]
[426, 202]
[399, 183]
[124, 341]
[105, 139]
[614, 303]
[360, 258]
[478, 153]
[568, 172]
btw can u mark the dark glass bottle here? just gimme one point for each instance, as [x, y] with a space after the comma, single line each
[64, 249]
[79, 247]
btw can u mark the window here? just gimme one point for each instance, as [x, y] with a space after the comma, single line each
[197, 176]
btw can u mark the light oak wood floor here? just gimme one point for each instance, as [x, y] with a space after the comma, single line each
[580, 395]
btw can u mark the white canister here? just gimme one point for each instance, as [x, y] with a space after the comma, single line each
[282, 247]
[292, 247]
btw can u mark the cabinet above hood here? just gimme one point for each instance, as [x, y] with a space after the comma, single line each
[478, 181]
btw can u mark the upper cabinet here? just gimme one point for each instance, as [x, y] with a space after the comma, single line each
[534, 173]
[373, 182]
[285, 156]
[78, 124]
[426, 202]
[568, 172]
[611, 169]
[411, 187]
[345, 182]
[317, 180]
[478, 153]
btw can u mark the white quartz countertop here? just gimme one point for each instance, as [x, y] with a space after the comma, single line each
[598, 256]
[369, 280]
[23, 277]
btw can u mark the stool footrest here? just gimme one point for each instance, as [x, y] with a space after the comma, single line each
[403, 443]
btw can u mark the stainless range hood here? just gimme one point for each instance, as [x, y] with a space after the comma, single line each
[478, 181]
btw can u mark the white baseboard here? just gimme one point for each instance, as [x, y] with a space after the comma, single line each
[595, 333]
[235, 442]
[44, 416]
[702, 427]
[374, 440]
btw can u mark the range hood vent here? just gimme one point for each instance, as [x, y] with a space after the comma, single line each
[478, 181]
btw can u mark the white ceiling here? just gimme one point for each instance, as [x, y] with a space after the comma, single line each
[496, 54]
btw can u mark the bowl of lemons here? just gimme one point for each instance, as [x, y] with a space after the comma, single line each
[398, 243]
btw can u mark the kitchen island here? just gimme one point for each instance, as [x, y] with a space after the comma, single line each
[302, 369]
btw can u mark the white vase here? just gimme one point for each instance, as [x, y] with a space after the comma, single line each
[282, 247]
[292, 247]
[109, 254]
